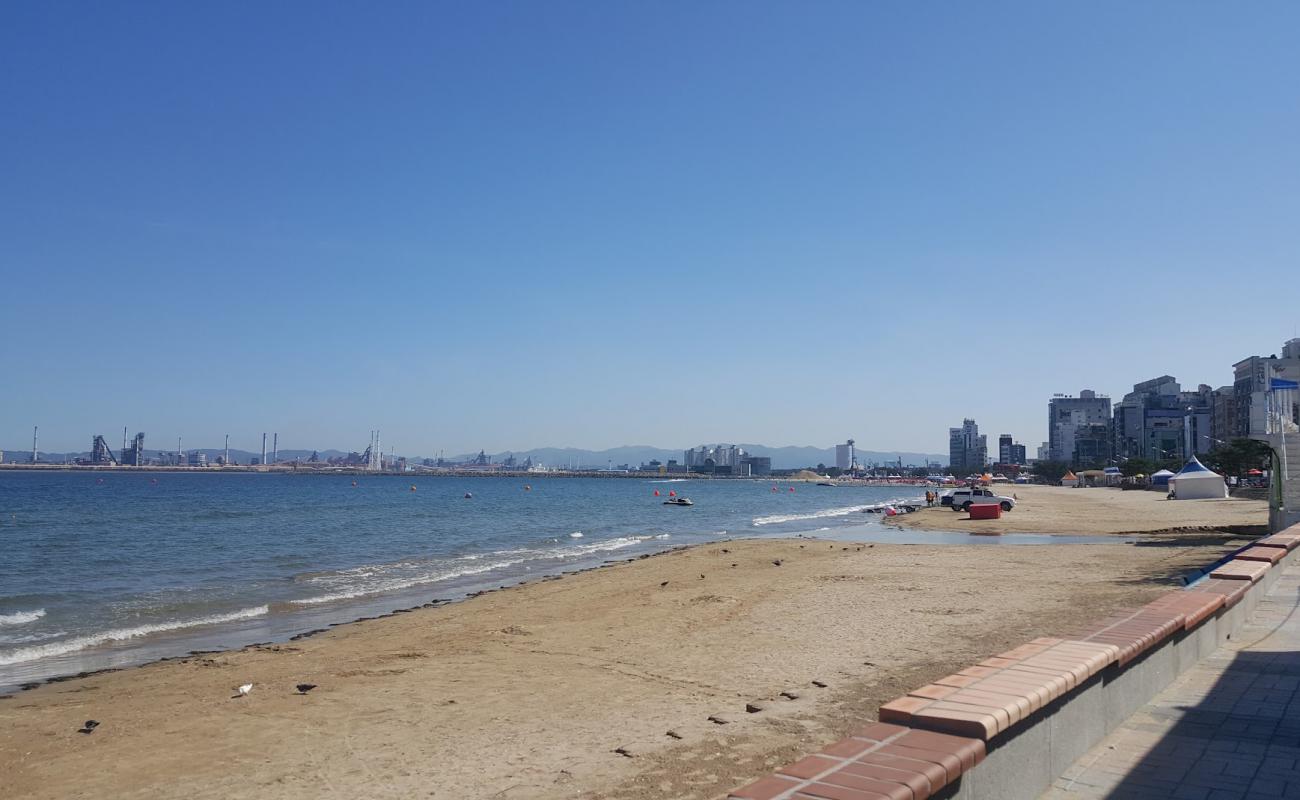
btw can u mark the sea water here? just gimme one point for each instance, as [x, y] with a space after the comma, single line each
[106, 569]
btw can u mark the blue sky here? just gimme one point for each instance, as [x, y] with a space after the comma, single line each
[507, 225]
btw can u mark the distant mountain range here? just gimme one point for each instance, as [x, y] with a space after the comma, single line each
[632, 455]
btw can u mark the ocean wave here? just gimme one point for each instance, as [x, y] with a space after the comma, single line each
[828, 512]
[595, 547]
[24, 654]
[27, 638]
[21, 617]
[447, 572]
[397, 584]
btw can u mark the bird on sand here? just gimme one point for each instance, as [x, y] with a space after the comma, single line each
[304, 688]
[91, 725]
[243, 690]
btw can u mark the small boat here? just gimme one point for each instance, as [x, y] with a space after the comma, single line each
[825, 483]
[679, 501]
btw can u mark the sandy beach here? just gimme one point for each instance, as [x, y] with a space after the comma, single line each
[1061, 510]
[532, 691]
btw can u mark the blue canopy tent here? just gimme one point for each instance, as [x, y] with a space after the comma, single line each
[1195, 481]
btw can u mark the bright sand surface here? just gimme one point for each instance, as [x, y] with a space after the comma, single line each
[1057, 509]
[528, 692]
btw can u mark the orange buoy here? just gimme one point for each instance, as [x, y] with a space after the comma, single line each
[672, 494]
[656, 492]
[792, 488]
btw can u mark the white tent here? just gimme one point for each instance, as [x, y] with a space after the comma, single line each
[1195, 481]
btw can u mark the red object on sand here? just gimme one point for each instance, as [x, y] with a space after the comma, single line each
[986, 511]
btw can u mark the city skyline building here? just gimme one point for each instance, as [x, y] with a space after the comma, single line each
[1158, 421]
[1068, 417]
[967, 448]
[1010, 451]
[845, 457]
[721, 459]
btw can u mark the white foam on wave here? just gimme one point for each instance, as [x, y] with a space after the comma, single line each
[398, 583]
[24, 638]
[21, 617]
[24, 654]
[595, 547]
[576, 535]
[828, 512]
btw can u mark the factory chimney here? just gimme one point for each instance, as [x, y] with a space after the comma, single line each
[263, 461]
[226, 459]
[275, 448]
[35, 430]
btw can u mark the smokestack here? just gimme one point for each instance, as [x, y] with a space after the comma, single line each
[275, 448]
[180, 453]
[124, 440]
[35, 431]
[226, 460]
[263, 449]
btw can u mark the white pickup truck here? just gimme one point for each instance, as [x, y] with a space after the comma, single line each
[963, 499]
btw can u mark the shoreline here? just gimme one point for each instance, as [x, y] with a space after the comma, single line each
[285, 604]
[680, 673]
[15, 690]
[851, 536]
[530, 692]
[11, 691]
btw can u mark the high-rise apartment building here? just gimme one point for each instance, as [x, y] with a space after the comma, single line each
[1069, 417]
[1159, 421]
[723, 458]
[844, 456]
[1010, 452]
[967, 449]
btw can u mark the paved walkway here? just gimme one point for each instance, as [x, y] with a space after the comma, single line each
[1228, 729]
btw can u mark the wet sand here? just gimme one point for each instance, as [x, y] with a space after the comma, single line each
[1060, 510]
[531, 692]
